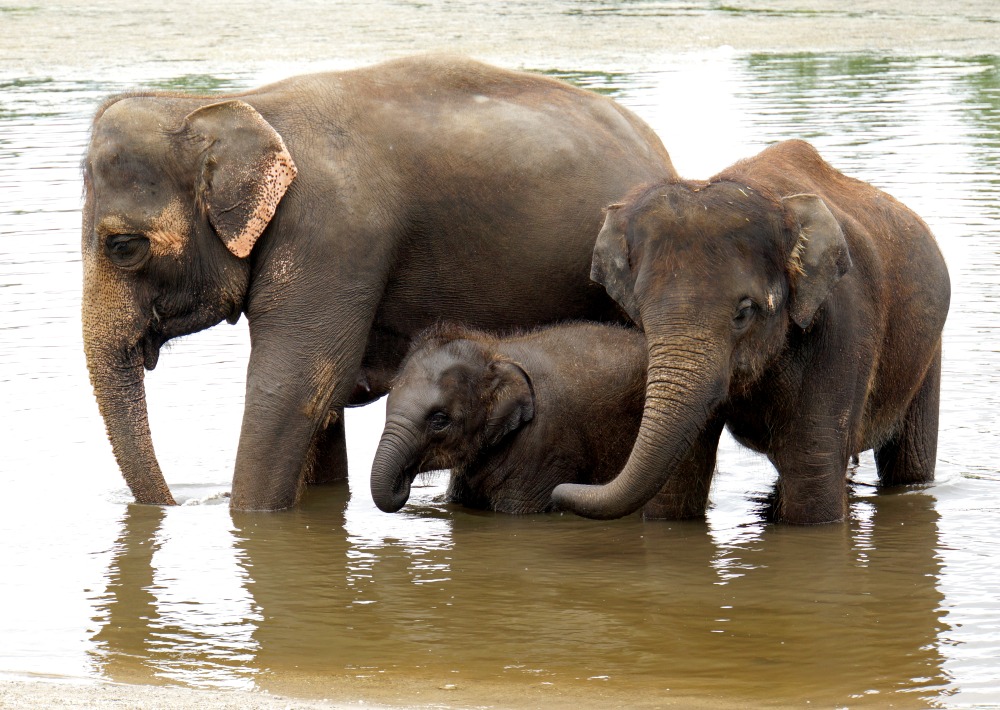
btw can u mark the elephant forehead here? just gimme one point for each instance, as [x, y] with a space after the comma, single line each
[443, 370]
[710, 209]
[127, 127]
[433, 376]
[414, 398]
[122, 167]
[134, 146]
[711, 233]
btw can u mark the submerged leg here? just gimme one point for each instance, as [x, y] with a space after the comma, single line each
[685, 494]
[812, 472]
[911, 454]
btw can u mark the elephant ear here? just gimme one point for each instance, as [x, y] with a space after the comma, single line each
[246, 171]
[820, 256]
[611, 266]
[512, 402]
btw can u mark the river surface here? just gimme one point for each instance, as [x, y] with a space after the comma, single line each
[897, 607]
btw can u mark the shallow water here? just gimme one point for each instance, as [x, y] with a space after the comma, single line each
[897, 607]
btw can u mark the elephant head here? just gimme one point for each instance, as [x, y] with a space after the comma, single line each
[717, 274]
[176, 194]
[452, 399]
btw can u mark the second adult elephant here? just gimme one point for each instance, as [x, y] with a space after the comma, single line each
[342, 213]
[798, 306]
[512, 417]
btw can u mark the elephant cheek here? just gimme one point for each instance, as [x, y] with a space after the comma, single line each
[171, 231]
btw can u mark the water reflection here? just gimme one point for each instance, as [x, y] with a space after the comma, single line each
[552, 606]
[175, 607]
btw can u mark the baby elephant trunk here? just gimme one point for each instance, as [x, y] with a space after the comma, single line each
[394, 467]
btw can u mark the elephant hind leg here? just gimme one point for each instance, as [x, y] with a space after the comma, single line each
[910, 455]
[327, 461]
[685, 494]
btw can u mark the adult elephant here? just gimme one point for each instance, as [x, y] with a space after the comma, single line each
[342, 213]
[798, 306]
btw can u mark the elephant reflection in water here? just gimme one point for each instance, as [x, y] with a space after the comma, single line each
[127, 611]
[771, 614]
[840, 613]
[171, 616]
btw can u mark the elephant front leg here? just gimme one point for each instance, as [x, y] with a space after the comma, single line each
[685, 494]
[812, 475]
[328, 458]
[294, 381]
[911, 454]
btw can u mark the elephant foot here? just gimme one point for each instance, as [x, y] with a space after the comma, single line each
[815, 502]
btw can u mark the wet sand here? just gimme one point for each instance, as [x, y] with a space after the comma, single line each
[68, 35]
[24, 694]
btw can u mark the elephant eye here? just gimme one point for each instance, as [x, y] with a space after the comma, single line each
[128, 251]
[439, 421]
[745, 313]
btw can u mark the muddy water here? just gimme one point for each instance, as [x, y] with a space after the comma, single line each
[898, 607]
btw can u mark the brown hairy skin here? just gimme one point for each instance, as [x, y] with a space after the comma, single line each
[342, 213]
[585, 383]
[800, 307]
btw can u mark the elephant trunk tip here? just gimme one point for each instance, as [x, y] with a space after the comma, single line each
[392, 499]
[160, 496]
[586, 501]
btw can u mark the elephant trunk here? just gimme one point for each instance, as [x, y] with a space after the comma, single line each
[118, 382]
[116, 352]
[394, 466]
[684, 385]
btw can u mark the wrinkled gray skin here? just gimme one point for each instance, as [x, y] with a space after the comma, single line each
[342, 213]
[798, 306]
[512, 417]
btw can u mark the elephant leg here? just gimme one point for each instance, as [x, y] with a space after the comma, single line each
[812, 474]
[685, 494]
[329, 451]
[910, 455]
[294, 381]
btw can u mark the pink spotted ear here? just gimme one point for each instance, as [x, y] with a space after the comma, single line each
[245, 172]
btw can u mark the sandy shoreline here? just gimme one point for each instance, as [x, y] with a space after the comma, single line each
[26, 694]
[35, 694]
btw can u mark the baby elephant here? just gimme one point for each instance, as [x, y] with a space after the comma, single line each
[511, 417]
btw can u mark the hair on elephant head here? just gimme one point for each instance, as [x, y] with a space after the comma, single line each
[800, 307]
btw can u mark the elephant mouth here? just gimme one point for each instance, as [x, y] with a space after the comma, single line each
[235, 311]
[162, 327]
[151, 345]
[153, 340]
